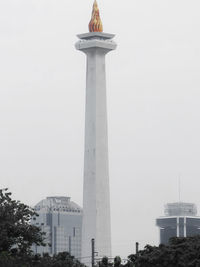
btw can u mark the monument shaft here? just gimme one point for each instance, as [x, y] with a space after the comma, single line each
[96, 195]
[96, 202]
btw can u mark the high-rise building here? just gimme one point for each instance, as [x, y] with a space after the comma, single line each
[61, 220]
[180, 220]
[96, 195]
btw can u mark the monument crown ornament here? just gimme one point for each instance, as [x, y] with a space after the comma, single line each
[95, 24]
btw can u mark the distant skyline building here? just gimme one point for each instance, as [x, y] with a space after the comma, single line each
[61, 220]
[96, 194]
[180, 220]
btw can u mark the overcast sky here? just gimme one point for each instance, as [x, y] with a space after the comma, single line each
[153, 87]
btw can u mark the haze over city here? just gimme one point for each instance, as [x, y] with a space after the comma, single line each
[153, 88]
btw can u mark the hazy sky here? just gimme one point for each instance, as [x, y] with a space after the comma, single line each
[153, 87]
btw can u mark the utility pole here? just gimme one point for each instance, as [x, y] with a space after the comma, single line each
[70, 245]
[137, 250]
[93, 251]
[137, 247]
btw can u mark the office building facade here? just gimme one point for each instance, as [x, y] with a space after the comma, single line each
[180, 220]
[61, 220]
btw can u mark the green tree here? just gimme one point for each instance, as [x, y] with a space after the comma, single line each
[16, 233]
[104, 262]
[117, 261]
[181, 252]
[63, 259]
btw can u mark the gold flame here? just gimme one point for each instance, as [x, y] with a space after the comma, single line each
[95, 24]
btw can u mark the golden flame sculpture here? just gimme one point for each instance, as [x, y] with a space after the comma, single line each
[95, 24]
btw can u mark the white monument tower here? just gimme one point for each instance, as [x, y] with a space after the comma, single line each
[96, 195]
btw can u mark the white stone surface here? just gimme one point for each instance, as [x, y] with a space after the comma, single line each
[96, 195]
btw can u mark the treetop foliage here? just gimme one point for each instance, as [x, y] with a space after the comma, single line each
[16, 232]
[63, 259]
[181, 252]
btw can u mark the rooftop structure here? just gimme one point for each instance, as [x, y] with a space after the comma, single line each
[59, 204]
[180, 209]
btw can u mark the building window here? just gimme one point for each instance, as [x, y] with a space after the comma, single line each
[74, 231]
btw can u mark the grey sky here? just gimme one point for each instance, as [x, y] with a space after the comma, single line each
[153, 86]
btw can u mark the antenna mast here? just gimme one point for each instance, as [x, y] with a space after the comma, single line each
[179, 187]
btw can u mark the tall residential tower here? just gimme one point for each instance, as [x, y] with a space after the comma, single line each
[96, 195]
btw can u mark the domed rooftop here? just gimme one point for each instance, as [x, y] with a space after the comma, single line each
[57, 204]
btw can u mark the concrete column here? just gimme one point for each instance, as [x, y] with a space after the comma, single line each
[177, 229]
[185, 229]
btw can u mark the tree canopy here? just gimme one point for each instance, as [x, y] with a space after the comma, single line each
[181, 252]
[16, 232]
[63, 259]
